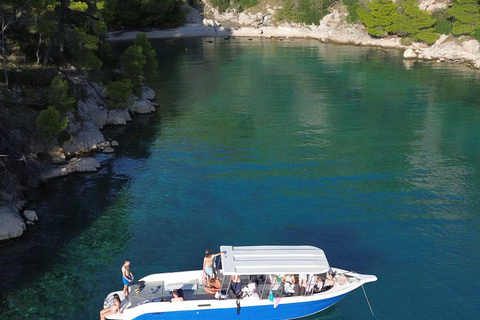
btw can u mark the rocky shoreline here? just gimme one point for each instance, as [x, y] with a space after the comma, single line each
[333, 28]
[72, 156]
[92, 112]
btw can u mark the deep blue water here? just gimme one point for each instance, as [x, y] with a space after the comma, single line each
[273, 142]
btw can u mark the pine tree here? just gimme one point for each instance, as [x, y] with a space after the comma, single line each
[466, 14]
[381, 18]
[50, 123]
[150, 70]
[133, 63]
[416, 23]
[59, 96]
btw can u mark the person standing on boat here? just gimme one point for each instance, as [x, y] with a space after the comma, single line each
[127, 277]
[289, 284]
[208, 264]
[236, 284]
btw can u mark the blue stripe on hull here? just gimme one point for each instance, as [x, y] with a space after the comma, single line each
[281, 312]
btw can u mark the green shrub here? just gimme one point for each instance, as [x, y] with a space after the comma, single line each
[243, 4]
[381, 18]
[221, 5]
[416, 23]
[50, 123]
[477, 35]
[466, 16]
[104, 53]
[150, 70]
[64, 136]
[304, 11]
[352, 7]
[133, 62]
[443, 24]
[59, 96]
[119, 93]
[406, 41]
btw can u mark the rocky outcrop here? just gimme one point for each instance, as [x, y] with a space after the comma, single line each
[93, 114]
[84, 127]
[12, 225]
[80, 165]
[30, 215]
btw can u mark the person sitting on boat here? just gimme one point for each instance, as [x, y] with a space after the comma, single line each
[114, 308]
[208, 264]
[330, 281]
[214, 286]
[288, 281]
[127, 277]
[302, 282]
[318, 287]
[236, 284]
[176, 296]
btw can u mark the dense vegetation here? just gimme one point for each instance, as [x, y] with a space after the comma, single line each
[381, 17]
[46, 43]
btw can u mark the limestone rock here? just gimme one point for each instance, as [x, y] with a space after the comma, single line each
[30, 215]
[108, 150]
[409, 54]
[55, 172]
[147, 93]
[246, 19]
[114, 143]
[85, 138]
[472, 46]
[441, 39]
[118, 116]
[84, 165]
[433, 5]
[142, 107]
[11, 224]
[56, 155]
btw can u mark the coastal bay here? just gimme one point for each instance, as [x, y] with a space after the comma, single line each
[266, 141]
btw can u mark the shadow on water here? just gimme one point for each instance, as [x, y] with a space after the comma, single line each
[51, 265]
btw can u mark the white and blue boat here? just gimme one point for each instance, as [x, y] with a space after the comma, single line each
[263, 296]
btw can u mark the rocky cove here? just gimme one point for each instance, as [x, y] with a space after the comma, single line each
[92, 115]
[332, 28]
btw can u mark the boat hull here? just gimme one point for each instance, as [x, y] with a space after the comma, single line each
[282, 311]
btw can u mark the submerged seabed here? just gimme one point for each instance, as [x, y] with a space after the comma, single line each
[273, 142]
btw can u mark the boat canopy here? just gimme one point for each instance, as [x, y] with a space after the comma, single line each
[260, 260]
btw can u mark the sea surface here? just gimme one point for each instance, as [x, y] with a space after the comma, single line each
[293, 142]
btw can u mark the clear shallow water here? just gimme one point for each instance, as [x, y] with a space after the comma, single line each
[274, 142]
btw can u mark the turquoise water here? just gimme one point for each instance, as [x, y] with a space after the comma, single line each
[273, 142]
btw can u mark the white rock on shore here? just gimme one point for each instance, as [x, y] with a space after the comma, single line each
[12, 225]
[409, 54]
[81, 165]
[30, 215]
[84, 165]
